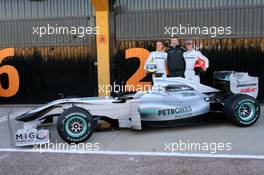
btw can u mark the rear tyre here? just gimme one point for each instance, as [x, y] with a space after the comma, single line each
[75, 125]
[242, 110]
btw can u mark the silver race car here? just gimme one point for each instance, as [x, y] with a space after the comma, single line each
[170, 101]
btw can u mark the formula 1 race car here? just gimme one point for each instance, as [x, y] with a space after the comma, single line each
[170, 100]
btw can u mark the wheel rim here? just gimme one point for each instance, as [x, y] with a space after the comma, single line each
[246, 111]
[76, 126]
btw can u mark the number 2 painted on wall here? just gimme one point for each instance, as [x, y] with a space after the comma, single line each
[142, 54]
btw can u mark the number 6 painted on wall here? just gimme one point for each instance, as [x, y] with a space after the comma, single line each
[13, 77]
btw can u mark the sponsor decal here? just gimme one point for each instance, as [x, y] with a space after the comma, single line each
[248, 90]
[188, 94]
[175, 111]
[191, 57]
[160, 58]
[25, 136]
[42, 135]
[30, 137]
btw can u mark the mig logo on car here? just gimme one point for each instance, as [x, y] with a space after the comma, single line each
[42, 135]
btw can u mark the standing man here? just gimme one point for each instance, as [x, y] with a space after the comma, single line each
[156, 62]
[176, 62]
[194, 59]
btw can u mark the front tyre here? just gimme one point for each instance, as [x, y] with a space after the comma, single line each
[242, 110]
[75, 125]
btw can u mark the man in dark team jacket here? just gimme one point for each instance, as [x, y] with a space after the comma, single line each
[175, 60]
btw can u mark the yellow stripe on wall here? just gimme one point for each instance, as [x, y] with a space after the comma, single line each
[102, 43]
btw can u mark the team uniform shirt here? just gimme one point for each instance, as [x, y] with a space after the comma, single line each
[175, 61]
[190, 58]
[158, 58]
